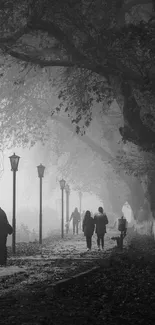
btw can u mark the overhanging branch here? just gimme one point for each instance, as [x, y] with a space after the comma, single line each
[53, 30]
[104, 71]
[11, 39]
[41, 62]
[114, 67]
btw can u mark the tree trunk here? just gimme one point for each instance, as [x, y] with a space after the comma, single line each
[151, 194]
[134, 129]
[136, 195]
[115, 199]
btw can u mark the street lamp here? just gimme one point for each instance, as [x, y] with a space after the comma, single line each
[41, 170]
[67, 189]
[62, 186]
[14, 160]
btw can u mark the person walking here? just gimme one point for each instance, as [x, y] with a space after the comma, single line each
[75, 216]
[88, 228]
[100, 220]
[5, 230]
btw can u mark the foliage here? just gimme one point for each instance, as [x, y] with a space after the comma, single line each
[91, 40]
[136, 162]
[79, 90]
[24, 112]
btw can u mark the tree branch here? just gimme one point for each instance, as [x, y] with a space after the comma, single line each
[15, 36]
[54, 31]
[114, 66]
[104, 71]
[41, 62]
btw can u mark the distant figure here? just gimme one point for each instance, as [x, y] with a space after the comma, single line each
[122, 225]
[5, 230]
[100, 220]
[75, 216]
[88, 228]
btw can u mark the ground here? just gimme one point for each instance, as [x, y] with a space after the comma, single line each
[55, 259]
[119, 293]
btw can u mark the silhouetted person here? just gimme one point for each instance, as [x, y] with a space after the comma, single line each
[123, 228]
[88, 228]
[100, 220]
[75, 216]
[5, 230]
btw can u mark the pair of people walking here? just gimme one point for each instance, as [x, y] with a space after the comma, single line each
[98, 223]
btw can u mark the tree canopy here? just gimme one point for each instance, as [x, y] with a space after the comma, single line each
[104, 50]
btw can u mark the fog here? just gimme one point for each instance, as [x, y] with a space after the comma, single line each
[27, 191]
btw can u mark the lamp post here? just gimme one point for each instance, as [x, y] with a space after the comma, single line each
[62, 186]
[80, 199]
[14, 160]
[67, 189]
[41, 170]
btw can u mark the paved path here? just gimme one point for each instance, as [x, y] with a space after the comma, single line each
[57, 260]
[74, 246]
[70, 247]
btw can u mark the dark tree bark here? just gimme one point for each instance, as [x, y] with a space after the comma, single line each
[151, 192]
[136, 197]
[134, 130]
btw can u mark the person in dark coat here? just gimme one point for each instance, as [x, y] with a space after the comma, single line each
[5, 230]
[75, 216]
[100, 220]
[88, 228]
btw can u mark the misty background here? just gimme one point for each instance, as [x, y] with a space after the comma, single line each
[27, 197]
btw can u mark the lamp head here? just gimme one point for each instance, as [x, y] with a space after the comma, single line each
[62, 184]
[14, 160]
[41, 170]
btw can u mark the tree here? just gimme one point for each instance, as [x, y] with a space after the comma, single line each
[104, 51]
[102, 42]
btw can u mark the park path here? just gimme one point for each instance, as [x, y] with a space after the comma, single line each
[71, 246]
[74, 247]
[120, 293]
[58, 259]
